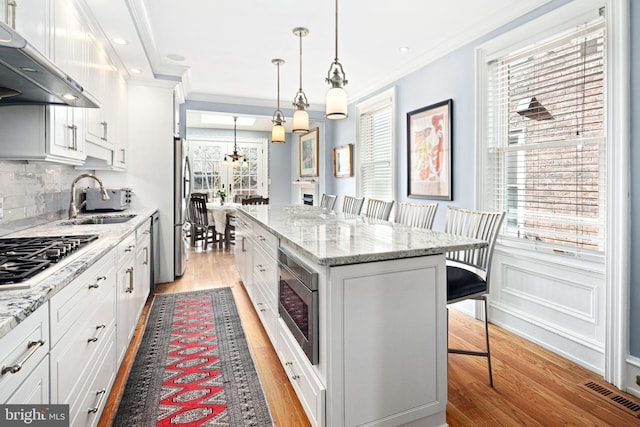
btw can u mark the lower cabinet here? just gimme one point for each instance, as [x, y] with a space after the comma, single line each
[24, 361]
[83, 324]
[310, 391]
[126, 294]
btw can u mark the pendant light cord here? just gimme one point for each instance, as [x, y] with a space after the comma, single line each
[336, 59]
[300, 37]
[278, 106]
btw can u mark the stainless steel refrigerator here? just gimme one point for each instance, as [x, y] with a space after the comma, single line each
[181, 185]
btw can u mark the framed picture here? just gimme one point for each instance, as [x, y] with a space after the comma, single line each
[343, 161]
[429, 138]
[309, 153]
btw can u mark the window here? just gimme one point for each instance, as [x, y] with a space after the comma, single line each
[374, 174]
[209, 174]
[546, 139]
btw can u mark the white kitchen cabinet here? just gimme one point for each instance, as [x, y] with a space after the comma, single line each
[143, 267]
[126, 301]
[83, 328]
[243, 251]
[70, 35]
[38, 132]
[30, 19]
[24, 374]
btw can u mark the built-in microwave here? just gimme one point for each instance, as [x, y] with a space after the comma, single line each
[298, 303]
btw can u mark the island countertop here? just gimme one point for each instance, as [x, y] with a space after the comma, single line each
[332, 239]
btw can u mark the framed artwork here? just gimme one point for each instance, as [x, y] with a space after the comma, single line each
[309, 153]
[343, 161]
[429, 138]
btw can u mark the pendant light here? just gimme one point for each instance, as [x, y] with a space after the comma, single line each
[336, 105]
[300, 117]
[277, 132]
[235, 157]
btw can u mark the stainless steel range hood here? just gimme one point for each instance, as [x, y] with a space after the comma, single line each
[28, 77]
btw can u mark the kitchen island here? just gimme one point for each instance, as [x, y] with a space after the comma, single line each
[381, 312]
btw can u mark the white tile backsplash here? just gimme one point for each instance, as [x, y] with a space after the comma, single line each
[33, 193]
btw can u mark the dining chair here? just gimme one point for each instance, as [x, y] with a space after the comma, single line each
[328, 201]
[352, 205]
[414, 215]
[230, 230]
[378, 209]
[468, 270]
[201, 228]
[200, 196]
[255, 200]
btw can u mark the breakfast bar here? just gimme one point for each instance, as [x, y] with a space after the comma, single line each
[364, 342]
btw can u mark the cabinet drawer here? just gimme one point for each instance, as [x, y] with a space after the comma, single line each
[305, 382]
[266, 240]
[265, 270]
[70, 358]
[34, 389]
[85, 411]
[80, 297]
[143, 232]
[27, 344]
[267, 315]
[126, 248]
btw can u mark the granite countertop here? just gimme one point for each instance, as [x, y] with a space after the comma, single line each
[17, 304]
[331, 239]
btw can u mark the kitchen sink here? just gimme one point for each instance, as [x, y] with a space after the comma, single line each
[98, 219]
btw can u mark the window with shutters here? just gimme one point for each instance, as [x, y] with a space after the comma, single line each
[374, 172]
[546, 139]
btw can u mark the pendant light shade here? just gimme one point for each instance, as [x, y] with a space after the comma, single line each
[277, 132]
[336, 106]
[300, 117]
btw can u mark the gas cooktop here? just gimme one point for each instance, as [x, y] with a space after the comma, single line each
[23, 257]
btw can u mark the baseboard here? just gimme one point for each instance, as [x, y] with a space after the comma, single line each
[574, 348]
[633, 375]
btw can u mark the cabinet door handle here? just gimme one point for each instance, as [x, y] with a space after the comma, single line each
[130, 248]
[97, 284]
[104, 131]
[100, 394]
[32, 346]
[130, 273]
[146, 255]
[11, 4]
[100, 329]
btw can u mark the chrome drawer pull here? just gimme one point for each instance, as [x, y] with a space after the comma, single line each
[130, 272]
[102, 393]
[34, 346]
[97, 284]
[100, 329]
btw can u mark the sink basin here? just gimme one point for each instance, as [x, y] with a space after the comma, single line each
[94, 220]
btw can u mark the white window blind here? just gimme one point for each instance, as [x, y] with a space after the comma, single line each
[375, 152]
[546, 139]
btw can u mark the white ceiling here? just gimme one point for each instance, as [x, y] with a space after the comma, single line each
[228, 46]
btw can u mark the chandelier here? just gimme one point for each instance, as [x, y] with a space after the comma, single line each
[235, 157]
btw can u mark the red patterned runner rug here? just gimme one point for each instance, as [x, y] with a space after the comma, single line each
[193, 367]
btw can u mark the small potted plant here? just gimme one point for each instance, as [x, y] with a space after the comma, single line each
[222, 194]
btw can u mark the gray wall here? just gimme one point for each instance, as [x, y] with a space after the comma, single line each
[452, 76]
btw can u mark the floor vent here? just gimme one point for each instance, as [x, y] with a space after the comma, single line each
[613, 395]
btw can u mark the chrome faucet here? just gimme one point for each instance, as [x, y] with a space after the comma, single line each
[73, 209]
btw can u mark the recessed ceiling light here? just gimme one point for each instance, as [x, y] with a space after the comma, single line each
[120, 41]
[176, 57]
[135, 70]
[404, 49]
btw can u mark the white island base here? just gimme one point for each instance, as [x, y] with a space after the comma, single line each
[382, 313]
[385, 343]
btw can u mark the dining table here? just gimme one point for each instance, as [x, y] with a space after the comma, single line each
[218, 213]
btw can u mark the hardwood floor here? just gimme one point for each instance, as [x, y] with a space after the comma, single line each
[533, 387]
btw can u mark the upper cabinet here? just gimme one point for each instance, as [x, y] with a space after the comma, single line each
[30, 18]
[91, 138]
